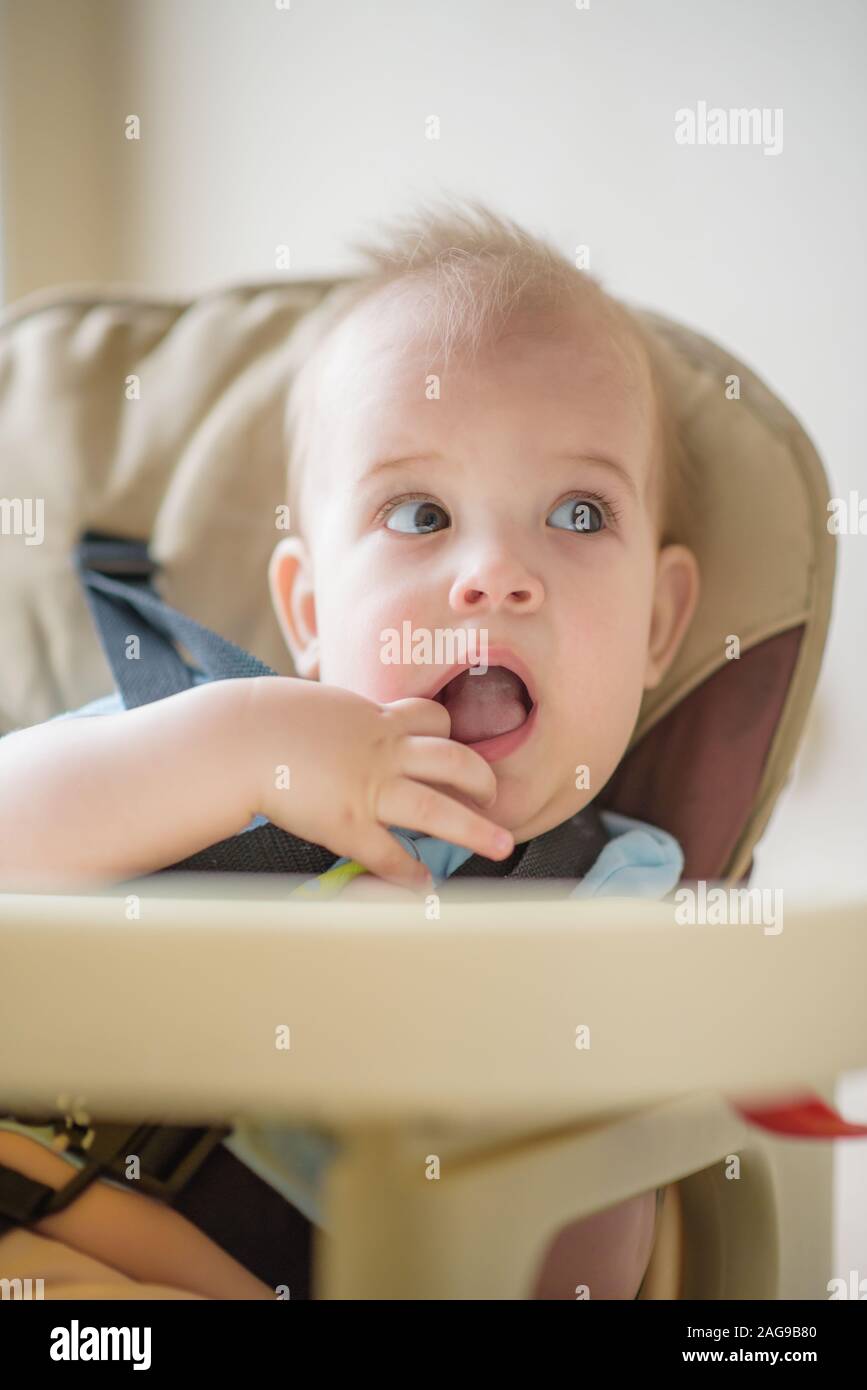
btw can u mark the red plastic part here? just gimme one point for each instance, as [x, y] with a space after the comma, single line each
[805, 1117]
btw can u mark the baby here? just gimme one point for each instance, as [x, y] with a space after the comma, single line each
[480, 442]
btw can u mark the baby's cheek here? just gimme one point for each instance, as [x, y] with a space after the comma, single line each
[365, 654]
[358, 667]
[614, 647]
[601, 667]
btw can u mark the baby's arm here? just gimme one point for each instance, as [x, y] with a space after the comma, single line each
[117, 796]
[114, 796]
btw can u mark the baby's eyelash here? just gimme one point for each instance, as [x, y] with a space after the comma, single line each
[399, 502]
[609, 507]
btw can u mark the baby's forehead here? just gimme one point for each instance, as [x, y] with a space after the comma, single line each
[391, 341]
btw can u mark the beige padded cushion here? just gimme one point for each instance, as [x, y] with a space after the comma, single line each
[197, 465]
[766, 556]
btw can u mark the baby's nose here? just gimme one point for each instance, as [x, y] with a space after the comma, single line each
[494, 587]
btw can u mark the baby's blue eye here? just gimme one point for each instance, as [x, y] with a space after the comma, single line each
[419, 517]
[577, 515]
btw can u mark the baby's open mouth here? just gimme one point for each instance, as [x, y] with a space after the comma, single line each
[483, 706]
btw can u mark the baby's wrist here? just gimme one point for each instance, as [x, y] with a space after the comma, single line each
[273, 725]
[225, 732]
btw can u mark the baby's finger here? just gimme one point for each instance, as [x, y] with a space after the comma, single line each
[418, 716]
[418, 807]
[443, 760]
[382, 854]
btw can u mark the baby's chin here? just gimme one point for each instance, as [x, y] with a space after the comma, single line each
[525, 812]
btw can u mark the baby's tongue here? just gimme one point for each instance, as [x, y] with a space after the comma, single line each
[482, 706]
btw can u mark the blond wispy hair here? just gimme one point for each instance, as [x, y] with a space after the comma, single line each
[473, 273]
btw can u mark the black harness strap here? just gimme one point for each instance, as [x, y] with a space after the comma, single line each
[190, 1170]
[168, 1157]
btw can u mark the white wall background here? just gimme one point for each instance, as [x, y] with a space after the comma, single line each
[302, 126]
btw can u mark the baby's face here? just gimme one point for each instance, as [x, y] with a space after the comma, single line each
[518, 502]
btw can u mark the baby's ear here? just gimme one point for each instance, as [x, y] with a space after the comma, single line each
[674, 602]
[290, 579]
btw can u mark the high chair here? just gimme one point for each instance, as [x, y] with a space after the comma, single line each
[164, 421]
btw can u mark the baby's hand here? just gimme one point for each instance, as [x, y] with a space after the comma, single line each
[352, 767]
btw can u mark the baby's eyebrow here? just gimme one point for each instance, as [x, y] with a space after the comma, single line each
[382, 464]
[622, 472]
[596, 459]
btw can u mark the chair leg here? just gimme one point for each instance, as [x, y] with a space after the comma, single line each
[481, 1230]
[404, 1225]
[731, 1231]
[664, 1277]
[394, 1235]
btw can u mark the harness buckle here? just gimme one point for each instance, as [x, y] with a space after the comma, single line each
[169, 1157]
